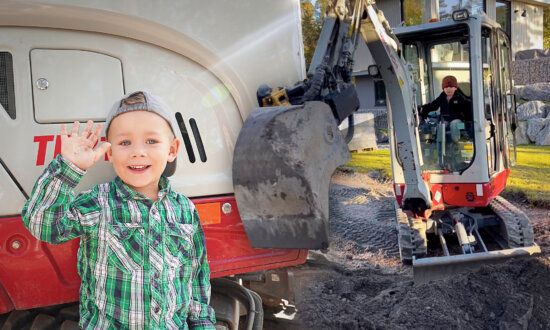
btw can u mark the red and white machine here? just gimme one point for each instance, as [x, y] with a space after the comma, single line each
[447, 174]
[259, 177]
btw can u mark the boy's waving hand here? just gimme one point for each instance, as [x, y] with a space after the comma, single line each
[79, 149]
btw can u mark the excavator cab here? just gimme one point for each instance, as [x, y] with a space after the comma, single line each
[446, 139]
[480, 144]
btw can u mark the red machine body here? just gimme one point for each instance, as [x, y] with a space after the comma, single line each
[50, 272]
[460, 194]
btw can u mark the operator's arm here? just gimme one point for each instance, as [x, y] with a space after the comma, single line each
[201, 314]
[432, 106]
[53, 214]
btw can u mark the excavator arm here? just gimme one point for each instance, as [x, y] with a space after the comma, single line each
[285, 155]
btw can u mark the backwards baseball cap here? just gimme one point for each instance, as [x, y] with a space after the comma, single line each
[144, 101]
[449, 81]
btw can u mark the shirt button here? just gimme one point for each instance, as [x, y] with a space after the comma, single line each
[156, 310]
[156, 243]
[124, 233]
[157, 275]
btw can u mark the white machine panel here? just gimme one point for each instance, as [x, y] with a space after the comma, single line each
[71, 85]
[11, 198]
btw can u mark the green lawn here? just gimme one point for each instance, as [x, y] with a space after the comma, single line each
[378, 160]
[530, 178]
[531, 175]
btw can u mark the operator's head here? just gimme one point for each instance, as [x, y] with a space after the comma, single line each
[449, 85]
[141, 131]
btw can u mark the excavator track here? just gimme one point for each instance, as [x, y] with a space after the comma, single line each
[517, 228]
[514, 236]
[411, 235]
[62, 317]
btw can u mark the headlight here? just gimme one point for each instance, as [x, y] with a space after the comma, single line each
[461, 15]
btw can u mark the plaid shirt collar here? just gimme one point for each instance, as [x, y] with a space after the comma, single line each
[126, 193]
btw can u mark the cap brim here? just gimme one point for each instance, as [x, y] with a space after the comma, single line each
[170, 168]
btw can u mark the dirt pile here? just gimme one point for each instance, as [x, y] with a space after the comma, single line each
[509, 296]
[360, 284]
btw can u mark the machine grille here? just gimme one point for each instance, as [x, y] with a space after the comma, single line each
[7, 96]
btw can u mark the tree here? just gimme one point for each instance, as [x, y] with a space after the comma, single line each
[412, 10]
[313, 17]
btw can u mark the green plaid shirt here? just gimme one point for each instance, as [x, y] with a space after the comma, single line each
[142, 263]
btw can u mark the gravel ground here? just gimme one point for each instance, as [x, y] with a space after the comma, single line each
[360, 282]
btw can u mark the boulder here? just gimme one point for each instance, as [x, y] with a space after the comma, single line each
[529, 54]
[534, 126]
[531, 110]
[520, 72]
[543, 138]
[538, 91]
[521, 133]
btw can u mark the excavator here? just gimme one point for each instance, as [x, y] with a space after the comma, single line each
[446, 175]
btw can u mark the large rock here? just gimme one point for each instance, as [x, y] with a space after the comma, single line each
[538, 91]
[531, 110]
[543, 138]
[520, 72]
[521, 133]
[534, 126]
[532, 54]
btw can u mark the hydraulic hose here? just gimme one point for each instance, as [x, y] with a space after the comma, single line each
[351, 129]
[254, 320]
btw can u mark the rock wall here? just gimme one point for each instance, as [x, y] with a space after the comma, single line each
[531, 74]
[526, 72]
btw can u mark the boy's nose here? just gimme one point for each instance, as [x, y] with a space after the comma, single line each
[138, 151]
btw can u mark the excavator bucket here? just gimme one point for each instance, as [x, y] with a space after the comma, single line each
[282, 164]
[427, 269]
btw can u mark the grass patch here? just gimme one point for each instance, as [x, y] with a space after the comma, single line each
[368, 161]
[529, 179]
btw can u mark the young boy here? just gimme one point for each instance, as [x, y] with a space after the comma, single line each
[142, 257]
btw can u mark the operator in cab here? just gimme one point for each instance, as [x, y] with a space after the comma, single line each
[452, 103]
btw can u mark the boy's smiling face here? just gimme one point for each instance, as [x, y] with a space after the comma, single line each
[141, 145]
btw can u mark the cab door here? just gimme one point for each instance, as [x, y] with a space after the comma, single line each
[508, 102]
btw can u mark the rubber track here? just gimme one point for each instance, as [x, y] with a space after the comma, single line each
[411, 236]
[518, 228]
[62, 317]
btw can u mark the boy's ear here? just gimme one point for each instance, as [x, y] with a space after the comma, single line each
[109, 153]
[173, 152]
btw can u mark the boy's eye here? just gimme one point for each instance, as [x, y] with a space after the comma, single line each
[125, 143]
[151, 141]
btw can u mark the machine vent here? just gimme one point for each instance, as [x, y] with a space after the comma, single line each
[198, 139]
[7, 96]
[185, 136]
